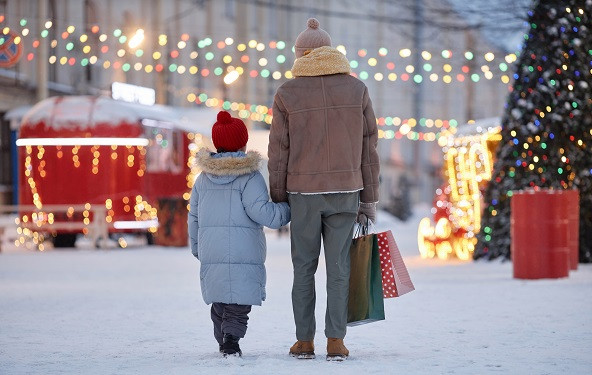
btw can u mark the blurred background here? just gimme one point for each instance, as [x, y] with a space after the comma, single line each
[484, 114]
[104, 103]
[430, 65]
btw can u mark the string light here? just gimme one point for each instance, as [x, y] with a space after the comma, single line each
[259, 46]
[388, 126]
[545, 143]
[468, 165]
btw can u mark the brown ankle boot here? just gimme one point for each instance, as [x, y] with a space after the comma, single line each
[336, 350]
[303, 350]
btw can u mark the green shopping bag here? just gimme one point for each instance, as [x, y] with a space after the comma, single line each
[366, 303]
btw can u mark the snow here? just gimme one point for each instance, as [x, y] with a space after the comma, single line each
[480, 126]
[84, 112]
[80, 111]
[139, 310]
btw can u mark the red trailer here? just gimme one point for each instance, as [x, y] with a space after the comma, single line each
[106, 156]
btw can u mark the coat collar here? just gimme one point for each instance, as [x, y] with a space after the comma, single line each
[228, 163]
[320, 62]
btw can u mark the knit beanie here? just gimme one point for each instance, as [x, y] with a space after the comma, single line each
[229, 134]
[311, 38]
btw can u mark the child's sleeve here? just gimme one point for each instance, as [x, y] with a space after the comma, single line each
[192, 223]
[259, 208]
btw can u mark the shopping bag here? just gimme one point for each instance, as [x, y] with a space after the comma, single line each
[365, 303]
[395, 277]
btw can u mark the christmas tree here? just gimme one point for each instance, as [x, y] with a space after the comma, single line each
[547, 123]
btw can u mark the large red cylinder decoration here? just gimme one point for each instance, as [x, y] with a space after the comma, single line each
[571, 199]
[542, 231]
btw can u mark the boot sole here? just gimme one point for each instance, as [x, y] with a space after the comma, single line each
[336, 357]
[303, 355]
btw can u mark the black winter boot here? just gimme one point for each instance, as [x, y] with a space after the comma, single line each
[230, 346]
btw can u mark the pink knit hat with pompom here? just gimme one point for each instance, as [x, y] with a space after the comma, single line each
[311, 38]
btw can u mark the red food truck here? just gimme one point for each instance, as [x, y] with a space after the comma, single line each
[89, 162]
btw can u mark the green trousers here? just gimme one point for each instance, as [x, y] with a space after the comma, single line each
[330, 217]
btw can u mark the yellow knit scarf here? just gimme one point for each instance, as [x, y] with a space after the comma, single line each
[321, 61]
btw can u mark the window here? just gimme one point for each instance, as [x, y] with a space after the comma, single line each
[164, 153]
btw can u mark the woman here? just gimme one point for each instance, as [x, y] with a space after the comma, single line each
[323, 161]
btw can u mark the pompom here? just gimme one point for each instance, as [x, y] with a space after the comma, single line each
[223, 117]
[313, 23]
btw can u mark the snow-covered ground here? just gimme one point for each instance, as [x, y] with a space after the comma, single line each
[139, 311]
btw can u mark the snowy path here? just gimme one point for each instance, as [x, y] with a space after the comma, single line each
[139, 311]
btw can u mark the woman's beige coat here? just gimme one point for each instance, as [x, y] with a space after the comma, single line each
[323, 135]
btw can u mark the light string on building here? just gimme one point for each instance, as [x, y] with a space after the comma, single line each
[404, 128]
[378, 67]
[389, 127]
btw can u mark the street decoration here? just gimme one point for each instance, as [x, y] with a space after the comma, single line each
[11, 49]
[468, 163]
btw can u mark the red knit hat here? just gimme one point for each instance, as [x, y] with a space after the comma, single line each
[229, 133]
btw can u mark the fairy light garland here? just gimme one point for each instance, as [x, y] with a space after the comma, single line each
[388, 127]
[410, 72]
[362, 69]
[404, 131]
[35, 173]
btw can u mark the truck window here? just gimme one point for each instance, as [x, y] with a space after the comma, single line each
[164, 153]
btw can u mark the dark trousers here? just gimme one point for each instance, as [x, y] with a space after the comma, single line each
[229, 319]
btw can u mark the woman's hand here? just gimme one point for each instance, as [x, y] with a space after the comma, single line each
[367, 211]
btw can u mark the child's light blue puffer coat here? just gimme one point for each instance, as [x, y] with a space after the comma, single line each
[228, 208]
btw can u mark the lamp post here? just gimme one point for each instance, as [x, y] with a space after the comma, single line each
[42, 68]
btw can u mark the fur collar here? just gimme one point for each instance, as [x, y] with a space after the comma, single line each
[230, 165]
[321, 61]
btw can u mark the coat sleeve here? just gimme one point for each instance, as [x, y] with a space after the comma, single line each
[192, 222]
[370, 161]
[278, 152]
[259, 208]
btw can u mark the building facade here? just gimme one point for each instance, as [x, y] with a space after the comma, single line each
[425, 67]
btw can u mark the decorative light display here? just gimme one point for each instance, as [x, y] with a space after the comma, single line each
[198, 142]
[228, 49]
[130, 46]
[31, 229]
[547, 124]
[468, 162]
[33, 226]
[389, 127]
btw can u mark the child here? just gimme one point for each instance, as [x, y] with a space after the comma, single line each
[229, 206]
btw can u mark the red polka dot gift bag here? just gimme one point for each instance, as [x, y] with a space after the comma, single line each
[395, 277]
